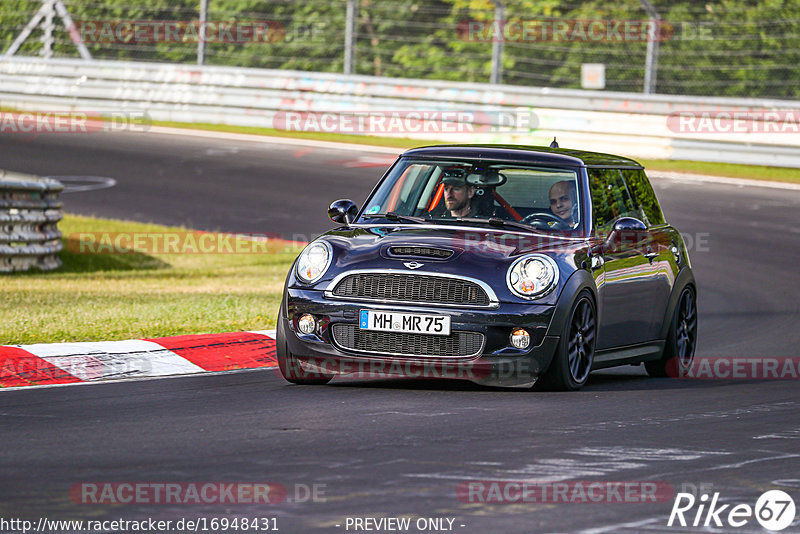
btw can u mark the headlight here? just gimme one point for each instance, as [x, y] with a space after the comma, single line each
[313, 262]
[532, 276]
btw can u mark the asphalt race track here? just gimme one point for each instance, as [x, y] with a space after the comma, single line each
[200, 183]
[401, 448]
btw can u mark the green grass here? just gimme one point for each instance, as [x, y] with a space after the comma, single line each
[96, 297]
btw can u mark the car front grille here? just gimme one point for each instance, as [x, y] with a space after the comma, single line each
[421, 252]
[457, 345]
[412, 288]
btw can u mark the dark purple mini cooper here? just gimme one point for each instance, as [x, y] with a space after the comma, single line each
[504, 265]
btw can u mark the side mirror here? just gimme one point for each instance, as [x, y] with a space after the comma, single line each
[629, 223]
[624, 233]
[343, 211]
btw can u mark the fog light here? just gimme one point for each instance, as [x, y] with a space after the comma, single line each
[520, 338]
[306, 323]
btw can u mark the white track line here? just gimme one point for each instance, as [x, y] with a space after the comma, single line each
[268, 333]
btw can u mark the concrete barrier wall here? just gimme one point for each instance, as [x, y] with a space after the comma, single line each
[765, 132]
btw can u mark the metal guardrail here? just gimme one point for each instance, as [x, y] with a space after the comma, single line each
[29, 215]
[633, 124]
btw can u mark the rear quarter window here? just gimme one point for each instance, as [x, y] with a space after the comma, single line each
[643, 194]
[610, 198]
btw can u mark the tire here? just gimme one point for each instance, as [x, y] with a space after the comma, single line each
[290, 366]
[681, 339]
[572, 362]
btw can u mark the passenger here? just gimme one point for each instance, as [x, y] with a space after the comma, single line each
[564, 202]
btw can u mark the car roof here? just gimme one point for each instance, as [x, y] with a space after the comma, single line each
[523, 153]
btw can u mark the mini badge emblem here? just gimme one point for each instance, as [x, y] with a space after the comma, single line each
[413, 265]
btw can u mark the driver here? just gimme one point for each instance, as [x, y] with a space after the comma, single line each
[563, 201]
[458, 196]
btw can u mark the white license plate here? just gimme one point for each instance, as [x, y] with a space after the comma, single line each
[404, 322]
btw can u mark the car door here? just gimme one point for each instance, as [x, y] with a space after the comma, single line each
[626, 292]
[658, 247]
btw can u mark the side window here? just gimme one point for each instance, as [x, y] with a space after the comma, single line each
[610, 198]
[639, 186]
[406, 190]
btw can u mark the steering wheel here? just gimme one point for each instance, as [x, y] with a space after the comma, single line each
[546, 219]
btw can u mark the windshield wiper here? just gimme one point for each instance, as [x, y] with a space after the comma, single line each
[498, 223]
[392, 216]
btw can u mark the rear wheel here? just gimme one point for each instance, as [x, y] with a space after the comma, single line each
[681, 339]
[290, 366]
[574, 356]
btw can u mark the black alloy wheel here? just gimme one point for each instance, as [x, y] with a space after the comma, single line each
[681, 340]
[574, 356]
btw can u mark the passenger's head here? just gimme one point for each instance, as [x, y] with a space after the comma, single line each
[563, 200]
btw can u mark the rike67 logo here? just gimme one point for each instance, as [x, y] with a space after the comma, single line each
[774, 510]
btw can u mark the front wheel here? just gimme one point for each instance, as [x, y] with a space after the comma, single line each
[290, 366]
[574, 355]
[681, 340]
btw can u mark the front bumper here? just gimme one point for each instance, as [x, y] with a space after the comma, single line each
[498, 363]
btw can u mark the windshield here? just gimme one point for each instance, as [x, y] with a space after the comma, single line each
[498, 193]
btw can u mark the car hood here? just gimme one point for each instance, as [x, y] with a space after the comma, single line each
[480, 253]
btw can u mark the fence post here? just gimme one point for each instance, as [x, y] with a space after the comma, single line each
[497, 45]
[201, 35]
[350, 36]
[651, 62]
[48, 27]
